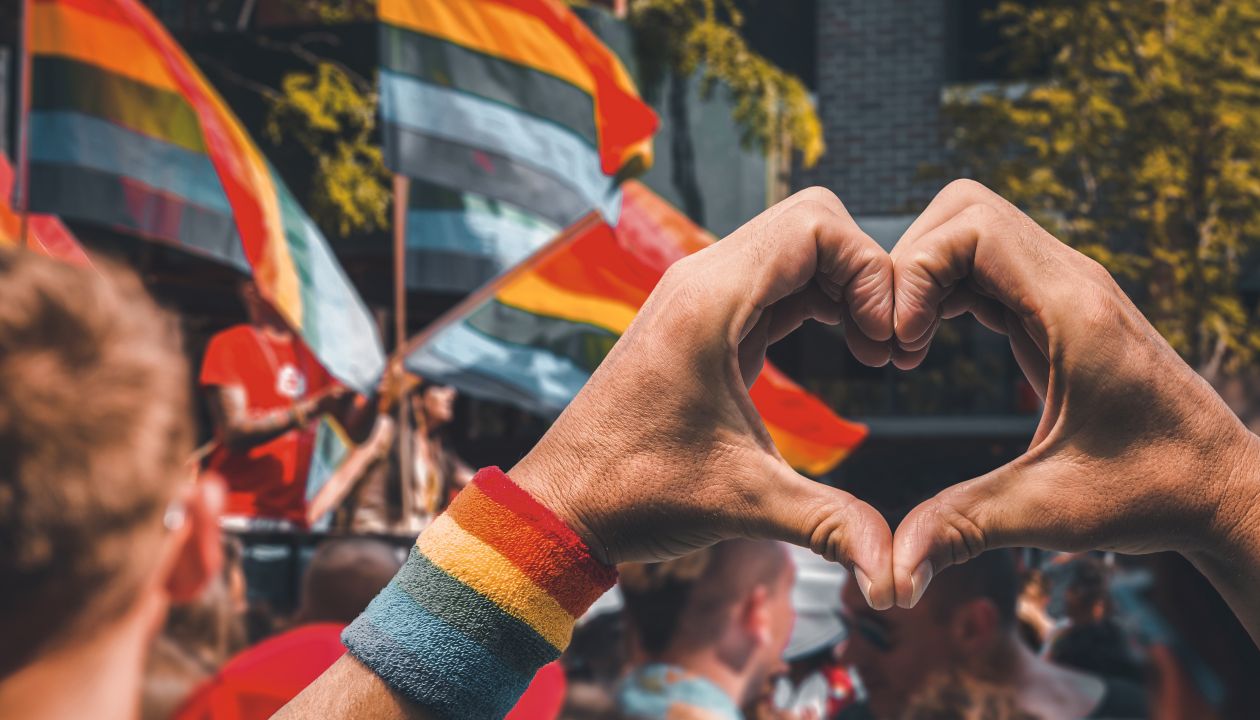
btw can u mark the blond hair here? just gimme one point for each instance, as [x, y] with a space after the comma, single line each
[94, 427]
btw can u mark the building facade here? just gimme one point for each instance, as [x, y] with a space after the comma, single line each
[881, 70]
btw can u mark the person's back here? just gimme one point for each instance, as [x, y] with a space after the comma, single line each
[707, 630]
[342, 578]
[101, 525]
[962, 639]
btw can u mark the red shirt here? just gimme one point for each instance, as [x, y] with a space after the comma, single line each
[262, 679]
[268, 480]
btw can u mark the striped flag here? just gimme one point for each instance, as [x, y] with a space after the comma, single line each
[44, 233]
[514, 119]
[125, 132]
[540, 330]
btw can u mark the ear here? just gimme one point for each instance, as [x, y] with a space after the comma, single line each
[975, 626]
[197, 552]
[755, 615]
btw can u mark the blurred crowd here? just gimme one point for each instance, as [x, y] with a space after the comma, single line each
[745, 629]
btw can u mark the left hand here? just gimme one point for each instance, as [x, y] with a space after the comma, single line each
[1135, 452]
[663, 452]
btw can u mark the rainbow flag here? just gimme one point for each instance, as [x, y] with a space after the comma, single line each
[125, 132]
[513, 119]
[44, 233]
[541, 329]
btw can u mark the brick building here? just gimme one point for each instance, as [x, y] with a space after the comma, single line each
[879, 71]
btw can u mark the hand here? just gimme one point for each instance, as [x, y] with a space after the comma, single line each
[1134, 452]
[663, 452]
[331, 399]
[394, 384]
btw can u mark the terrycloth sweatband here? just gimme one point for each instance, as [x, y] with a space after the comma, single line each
[489, 595]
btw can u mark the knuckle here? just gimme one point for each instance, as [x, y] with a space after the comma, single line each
[808, 215]
[982, 215]
[962, 534]
[819, 194]
[965, 188]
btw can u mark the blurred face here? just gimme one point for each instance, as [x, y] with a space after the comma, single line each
[255, 306]
[437, 404]
[897, 651]
[781, 616]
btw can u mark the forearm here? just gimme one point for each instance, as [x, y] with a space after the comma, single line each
[489, 595]
[357, 414]
[1231, 561]
[246, 433]
[348, 689]
[350, 472]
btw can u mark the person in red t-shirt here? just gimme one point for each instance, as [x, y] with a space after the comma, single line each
[266, 391]
[342, 578]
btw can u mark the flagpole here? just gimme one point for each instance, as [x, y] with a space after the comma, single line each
[24, 110]
[405, 464]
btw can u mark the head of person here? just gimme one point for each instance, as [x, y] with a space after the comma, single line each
[1085, 598]
[342, 578]
[433, 404]
[259, 311]
[726, 611]
[102, 525]
[964, 617]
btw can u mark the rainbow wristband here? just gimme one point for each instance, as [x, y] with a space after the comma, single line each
[489, 595]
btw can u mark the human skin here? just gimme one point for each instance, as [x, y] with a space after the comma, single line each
[1134, 453]
[663, 451]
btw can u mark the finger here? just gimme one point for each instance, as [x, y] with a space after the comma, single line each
[779, 253]
[924, 341]
[951, 200]
[752, 350]
[835, 525]
[781, 320]
[1031, 358]
[1008, 258]
[872, 353]
[809, 304]
[1005, 508]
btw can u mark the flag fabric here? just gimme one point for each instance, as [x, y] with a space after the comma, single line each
[331, 449]
[514, 119]
[456, 241]
[44, 233]
[126, 132]
[545, 326]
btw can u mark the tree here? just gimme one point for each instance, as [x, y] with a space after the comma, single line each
[1140, 146]
[318, 111]
[330, 112]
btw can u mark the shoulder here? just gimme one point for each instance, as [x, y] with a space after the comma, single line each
[235, 334]
[231, 341]
[222, 361]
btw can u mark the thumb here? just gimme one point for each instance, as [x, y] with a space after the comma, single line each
[1009, 507]
[835, 525]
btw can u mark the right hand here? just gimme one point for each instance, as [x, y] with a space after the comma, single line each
[1135, 452]
[663, 451]
[329, 400]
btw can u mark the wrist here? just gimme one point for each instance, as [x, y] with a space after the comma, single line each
[491, 593]
[555, 477]
[1234, 527]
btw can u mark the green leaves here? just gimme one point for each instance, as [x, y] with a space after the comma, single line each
[1142, 148]
[331, 114]
[686, 36]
